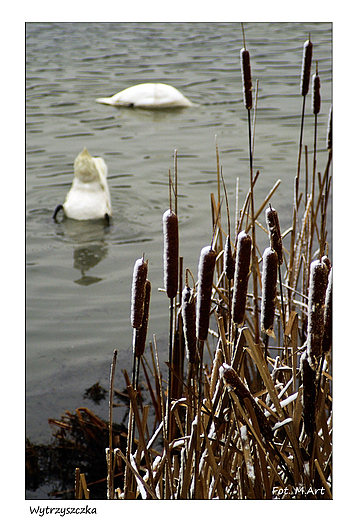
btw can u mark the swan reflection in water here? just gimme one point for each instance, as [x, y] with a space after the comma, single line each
[90, 247]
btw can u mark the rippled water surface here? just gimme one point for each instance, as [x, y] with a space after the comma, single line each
[79, 274]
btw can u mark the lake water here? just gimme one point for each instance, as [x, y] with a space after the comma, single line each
[79, 274]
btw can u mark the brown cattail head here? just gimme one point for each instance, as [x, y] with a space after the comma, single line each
[269, 290]
[246, 77]
[329, 131]
[275, 232]
[325, 259]
[316, 307]
[308, 375]
[241, 277]
[233, 382]
[207, 263]
[327, 339]
[306, 67]
[188, 314]
[171, 252]
[229, 262]
[138, 292]
[140, 335]
[316, 97]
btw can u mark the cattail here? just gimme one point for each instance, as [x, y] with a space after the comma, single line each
[306, 67]
[241, 277]
[327, 339]
[206, 268]
[246, 76]
[329, 131]
[269, 290]
[140, 335]
[171, 252]
[275, 232]
[316, 307]
[316, 97]
[233, 381]
[229, 262]
[138, 292]
[188, 315]
[325, 259]
[308, 375]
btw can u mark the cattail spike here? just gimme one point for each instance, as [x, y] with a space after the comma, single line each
[308, 375]
[327, 339]
[140, 335]
[316, 307]
[138, 291]
[233, 382]
[269, 290]
[241, 277]
[275, 232]
[306, 67]
[171, 252]
[329, 131]
[206, 268]
[246, 77]
[229, 262]
[316, 97]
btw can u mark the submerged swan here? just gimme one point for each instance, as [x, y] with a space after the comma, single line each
[89, 196]
[148, 95]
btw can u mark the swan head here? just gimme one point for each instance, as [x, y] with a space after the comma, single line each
[85, 168]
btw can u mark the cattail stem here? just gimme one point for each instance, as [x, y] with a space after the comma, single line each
[254, 258]
[304, 88]
[110, 472]
[170, 358]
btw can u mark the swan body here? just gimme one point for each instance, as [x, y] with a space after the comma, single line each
[89, 196]
[148, 95]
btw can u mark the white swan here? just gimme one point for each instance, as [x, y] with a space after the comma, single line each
[89, 196]
[148, 95]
